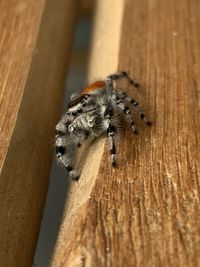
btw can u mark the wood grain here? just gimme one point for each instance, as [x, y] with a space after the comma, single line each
[146, 211]
[34, 49]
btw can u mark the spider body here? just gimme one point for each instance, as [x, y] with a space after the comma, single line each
[95, 112]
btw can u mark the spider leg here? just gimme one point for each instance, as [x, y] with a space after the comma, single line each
[111, 133]
[74, 132]
[120, 75]
[126, 111]
[124, 97]
[65, 159]
[62, 154]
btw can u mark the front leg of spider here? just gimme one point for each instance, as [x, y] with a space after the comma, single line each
[62, 153]
[72, 130]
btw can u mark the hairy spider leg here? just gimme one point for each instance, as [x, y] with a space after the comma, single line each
[111, 133]
[119, 101]
[120, 75]
[74, 132]
[63, 155]
[134, 104]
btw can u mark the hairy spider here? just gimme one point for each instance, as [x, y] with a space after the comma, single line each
[93, 112]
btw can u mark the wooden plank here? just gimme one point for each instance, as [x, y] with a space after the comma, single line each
[19, 28]
[145, 212]
[35, 43]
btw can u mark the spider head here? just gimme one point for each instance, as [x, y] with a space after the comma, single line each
[78, 100]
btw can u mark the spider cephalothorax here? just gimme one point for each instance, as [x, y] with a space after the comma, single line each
[93, 112]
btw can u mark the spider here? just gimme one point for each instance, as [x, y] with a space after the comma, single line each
[93, 112]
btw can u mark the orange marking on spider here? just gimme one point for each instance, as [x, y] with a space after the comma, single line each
[94, 86]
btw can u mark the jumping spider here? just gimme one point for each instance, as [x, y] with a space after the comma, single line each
[93, 112]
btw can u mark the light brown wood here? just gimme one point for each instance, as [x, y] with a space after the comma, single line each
[34, 49]
[146, 211]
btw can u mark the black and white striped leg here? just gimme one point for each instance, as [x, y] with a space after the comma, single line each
[121, 75]
[111, 132]
[142, 115]
[64, 159]
[62, 154]
[127, 113]
[124, 97]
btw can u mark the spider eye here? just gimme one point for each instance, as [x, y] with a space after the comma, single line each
[86, 96]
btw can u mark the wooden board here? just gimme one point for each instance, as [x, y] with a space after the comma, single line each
[146, 211]
[34, 49]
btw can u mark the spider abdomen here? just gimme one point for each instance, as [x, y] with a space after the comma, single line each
[94, 86]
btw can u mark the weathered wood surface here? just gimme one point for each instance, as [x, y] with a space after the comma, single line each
[34, 48]
[146, 211]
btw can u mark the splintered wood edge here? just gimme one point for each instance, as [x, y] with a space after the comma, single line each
[103, 60]
[25, 172]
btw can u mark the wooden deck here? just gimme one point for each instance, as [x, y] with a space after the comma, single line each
[146, 211]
